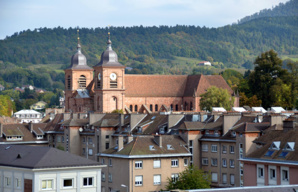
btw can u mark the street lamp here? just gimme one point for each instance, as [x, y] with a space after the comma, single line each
[122, 185]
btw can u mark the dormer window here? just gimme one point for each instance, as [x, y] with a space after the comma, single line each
[207, 132]
[39, 136]
[151, 148]
[170, 147]
[233, 134]
[275, 145]
[290, 146]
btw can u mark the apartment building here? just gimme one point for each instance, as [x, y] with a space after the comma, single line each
[32, 168]
[143, 163]
[274, 161]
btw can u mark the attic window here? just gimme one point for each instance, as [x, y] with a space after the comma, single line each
[275, 145]
[39, 137]
[233, 133]
[269, 153]
[151, 147]
[290, 146]
[207, 132]
[153, 117]
[170, 147]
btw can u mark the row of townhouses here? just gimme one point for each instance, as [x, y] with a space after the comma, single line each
[141, 151]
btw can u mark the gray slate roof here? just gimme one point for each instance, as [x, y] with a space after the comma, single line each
[33, 157]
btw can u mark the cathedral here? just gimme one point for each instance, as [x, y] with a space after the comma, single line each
[105, 87]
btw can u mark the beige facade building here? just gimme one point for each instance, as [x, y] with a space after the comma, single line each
[143, 163]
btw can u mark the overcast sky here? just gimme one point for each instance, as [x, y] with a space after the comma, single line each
[19, 15]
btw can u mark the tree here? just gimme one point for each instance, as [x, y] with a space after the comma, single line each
[267, 74]
[251, 101]
[216, 97]
[191, 178]
[6, 105]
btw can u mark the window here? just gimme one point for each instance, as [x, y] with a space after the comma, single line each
[156, 164]
[82, 81]
[224, 162]
[260, 172]
[139, 180]
[241, 148]
[110, 178]
[205, 147]
[90, 151]
[89, 140]
[232, 149]
[204, 161]
[139, 164]
[156, 107]
[175, 177]
[232, 163]
[213, 162]
[68, 82]
[214, 177]
[102, 161]
[272, 173]
[176, 107]
[103, 176]
[213, 148]
[232, 179]
[110, 162]
[171, 107]
[84, 151]
[130, 108]
[84, 140]
[156, 179]
[174, 162]
[185, 162]
[151, 107]
[17, 183]
[67, 182]
[107, 145]
[46, 184]
[7, 181]
[58, 138]
[224, 178]
[88, 181]
[285, 175]
[136, 108]
[224, 149]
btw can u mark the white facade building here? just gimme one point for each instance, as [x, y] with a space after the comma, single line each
[27, 116]
[28, 168]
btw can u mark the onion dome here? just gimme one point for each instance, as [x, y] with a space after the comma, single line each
[109, 57]
[78, 60]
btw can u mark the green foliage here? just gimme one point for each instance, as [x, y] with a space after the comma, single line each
[60, 147]
[216, 97]
[251, 101]
[268, 78]
[190, 178]
[6, 106]
[232, 77]
[118, 111]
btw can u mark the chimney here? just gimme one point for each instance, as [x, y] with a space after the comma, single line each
[229, 121]
[31, 126]
[1, 129]
[276, 120]
[158, 140]
[121, 121]
[66, 116]
[120, 143]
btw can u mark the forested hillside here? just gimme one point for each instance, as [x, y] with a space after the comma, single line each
[289, 8]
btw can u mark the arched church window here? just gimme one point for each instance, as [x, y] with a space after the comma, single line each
[171, 107]
[68, 82]
[136, 108]
[82, 81]
[130, 107]
[190, 105]
[176, 107]
[151, 107]
[156, 107]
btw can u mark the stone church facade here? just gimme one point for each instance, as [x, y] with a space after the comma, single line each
[106, 87]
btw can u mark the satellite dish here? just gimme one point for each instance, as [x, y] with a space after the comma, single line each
[81, 129]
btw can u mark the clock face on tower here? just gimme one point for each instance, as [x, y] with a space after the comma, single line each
[99, 76]
[113, 76]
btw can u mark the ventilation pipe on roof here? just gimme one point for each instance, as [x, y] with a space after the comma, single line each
[31, 126]
[158, 140]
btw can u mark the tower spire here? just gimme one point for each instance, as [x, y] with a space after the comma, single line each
[79, 46]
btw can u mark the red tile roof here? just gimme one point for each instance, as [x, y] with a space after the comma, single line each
[171, 85]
